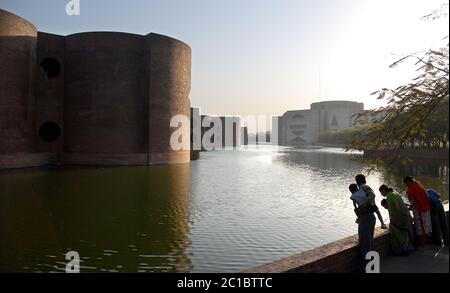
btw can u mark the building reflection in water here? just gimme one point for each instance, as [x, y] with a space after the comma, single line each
[131, 219]
[229, 211]
[319, 159]
[432, 173]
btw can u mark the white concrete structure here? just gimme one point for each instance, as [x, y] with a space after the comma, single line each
[305, 126]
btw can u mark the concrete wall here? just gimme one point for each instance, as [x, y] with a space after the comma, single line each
[297, 127]
[105, 101]
[305, 126]
[237, 135]
[278, 135]
[231, 131]
[49, 92]
[169, 87]
[109, 101]
[196, 136]
[332, 115]
[18, 58]
[244, 135]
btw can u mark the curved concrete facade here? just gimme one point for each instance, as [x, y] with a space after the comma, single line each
[333, 115]
[104, 109]
[100, 98]
[169, 86]
[18, 55]
[302, 127]
[50, 89]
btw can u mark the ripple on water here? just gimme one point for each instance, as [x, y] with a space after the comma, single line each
[229, 211]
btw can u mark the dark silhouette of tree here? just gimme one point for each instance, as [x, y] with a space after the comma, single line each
[416, 115]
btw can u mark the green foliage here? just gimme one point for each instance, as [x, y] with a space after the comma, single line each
[416, 115]
[341, 136]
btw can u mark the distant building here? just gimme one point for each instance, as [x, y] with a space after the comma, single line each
[244, 135]
[302, 127]
[233, 125]
[94, 98]
[195, 118]
[236, 135]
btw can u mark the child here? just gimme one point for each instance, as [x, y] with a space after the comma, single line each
[360, 199]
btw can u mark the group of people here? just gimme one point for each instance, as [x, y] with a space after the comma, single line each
[406, 233]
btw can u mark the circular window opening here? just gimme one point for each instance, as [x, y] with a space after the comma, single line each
[50, 67]
[49, 131]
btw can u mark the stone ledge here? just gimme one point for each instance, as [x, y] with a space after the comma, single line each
[131, 159]
[29, 160]
[24, 160]
[337, 257]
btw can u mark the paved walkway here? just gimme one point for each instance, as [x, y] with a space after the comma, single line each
[433, 259]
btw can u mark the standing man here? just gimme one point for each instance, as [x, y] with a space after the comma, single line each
[362, 184]
[366, 217]
[420, 206]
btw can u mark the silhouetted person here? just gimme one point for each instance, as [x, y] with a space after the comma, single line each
[400, 226]
[438, 222]
[366, 222]
[384, 203]
[362, 184]
[420, 206]
[359, 198]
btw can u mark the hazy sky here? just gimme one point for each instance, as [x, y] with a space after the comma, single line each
[267, 56]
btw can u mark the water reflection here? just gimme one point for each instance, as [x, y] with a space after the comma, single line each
[432, 173]
[226, 212]
[321, 159]
[120, 219]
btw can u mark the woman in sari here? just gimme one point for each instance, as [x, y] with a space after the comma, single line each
[400, 226]
[420, 206]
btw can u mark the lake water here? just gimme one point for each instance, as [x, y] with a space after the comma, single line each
[227, 212]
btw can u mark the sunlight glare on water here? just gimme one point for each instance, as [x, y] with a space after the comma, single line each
[227, 212]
